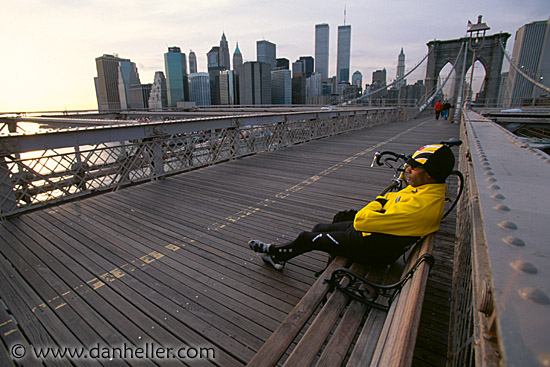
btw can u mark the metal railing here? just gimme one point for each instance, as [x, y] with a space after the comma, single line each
[499, 295]
[45, 168]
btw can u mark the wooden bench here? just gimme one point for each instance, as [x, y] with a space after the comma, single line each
[332, 326]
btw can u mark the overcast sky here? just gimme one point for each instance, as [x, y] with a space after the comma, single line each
[49, 46]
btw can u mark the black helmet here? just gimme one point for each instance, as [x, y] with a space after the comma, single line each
[437, 159]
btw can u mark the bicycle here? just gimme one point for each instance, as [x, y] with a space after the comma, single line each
[397, 161]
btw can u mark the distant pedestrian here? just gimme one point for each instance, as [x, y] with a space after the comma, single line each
[445, 110]
[438, 108]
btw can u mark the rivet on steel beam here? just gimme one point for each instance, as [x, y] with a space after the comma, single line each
[494, 187]
[511, 240]
[486, 303]
[498, 196]
[491, 179]
[488, 173]
[508, 225]
[502, 208]
[535, 295]
[524, 266]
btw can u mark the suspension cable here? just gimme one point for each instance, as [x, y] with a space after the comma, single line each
[387, 86]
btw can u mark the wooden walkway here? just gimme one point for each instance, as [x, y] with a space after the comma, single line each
[166, 263]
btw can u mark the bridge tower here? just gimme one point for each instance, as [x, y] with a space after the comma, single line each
[490, 55]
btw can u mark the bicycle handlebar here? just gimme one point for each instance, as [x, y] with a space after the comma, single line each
[396, 156]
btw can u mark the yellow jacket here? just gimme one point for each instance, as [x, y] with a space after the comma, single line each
[413, 211]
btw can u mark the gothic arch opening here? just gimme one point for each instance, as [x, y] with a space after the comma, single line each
[477, 90]
[448, 90]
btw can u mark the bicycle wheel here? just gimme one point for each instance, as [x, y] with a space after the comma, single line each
[393, 187]
[453, 191]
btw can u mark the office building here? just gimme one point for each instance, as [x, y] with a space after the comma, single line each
[192, 62]
[283, 63]
[224, 54]
[237, 58]
[308, 65]
[255, 83]
[299, 82]
[158, 99]
[266, 52]
[322, 35]
[226, 87]
[532, 55]
[314, 86]
[357, 79]
[400, 70]
[106, 82]
[199, 88]
[237, 67]
[139, 96]
[379, 84]
[343, 54]
[175, 67]
[281, 86]
[128, 78]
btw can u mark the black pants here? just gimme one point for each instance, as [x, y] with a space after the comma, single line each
[341, 239]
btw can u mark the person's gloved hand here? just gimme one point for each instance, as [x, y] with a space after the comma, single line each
[344, 216]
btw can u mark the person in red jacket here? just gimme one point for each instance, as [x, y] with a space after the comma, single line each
[387, 226]
[438, 109]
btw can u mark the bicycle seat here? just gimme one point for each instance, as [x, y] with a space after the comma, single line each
[452, 142]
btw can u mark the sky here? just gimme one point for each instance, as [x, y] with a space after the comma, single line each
[49, 46]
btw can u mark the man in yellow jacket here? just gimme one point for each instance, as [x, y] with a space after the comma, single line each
[387, 226]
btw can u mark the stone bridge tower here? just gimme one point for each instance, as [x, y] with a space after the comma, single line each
[490, 55]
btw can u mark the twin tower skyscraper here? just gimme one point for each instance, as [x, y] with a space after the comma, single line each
[322, 37]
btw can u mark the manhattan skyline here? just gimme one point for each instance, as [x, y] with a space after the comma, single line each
[50, 50]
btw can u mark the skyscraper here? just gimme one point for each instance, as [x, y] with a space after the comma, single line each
[308, 64]
[357, 79]
[224, 53]
[281, 86]
[176, 75]
[107, 91]
[400, 69]
[255, 83]
[266, 52]
[532, 55]
[299, 82]
[322, 33]
[199, 88]
[158, 98]
[237, 58]
[237, 68]
[192, 62]
[128, 78]
[344, 50]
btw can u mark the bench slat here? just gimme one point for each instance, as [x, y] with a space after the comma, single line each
[314, 338]
[276, 345]
[395, 345]
[366, 342]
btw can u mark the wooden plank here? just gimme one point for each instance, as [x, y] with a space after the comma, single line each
[280, 340]
[315, 336]
[399, 352]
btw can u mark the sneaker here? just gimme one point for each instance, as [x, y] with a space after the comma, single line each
[258, 246]
[278, 265]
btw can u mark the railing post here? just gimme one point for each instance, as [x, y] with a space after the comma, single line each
[7, 195]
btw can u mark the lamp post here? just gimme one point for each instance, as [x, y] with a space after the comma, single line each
[475, 43]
